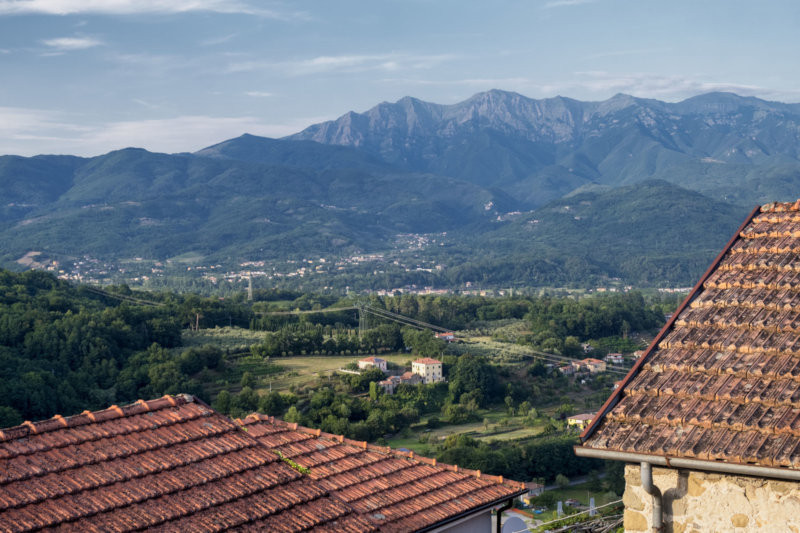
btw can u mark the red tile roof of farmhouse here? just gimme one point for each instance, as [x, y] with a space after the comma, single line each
[175, 464]
[170, 464]
[428, 361]
[721, 382]
[395, 490]
[372, 359]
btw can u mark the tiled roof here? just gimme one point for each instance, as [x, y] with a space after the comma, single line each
[171, 464]
[394, 490]
[722, 381]
[427, 361]
[372, 359]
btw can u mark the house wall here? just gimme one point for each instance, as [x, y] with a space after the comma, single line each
[430, 373]
[698, 501]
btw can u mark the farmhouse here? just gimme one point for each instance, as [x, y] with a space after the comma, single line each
[430, 370]
[372, 362]
[175, 464]
[406, 378]
[580, 421]
[709, 418]
[594, 365]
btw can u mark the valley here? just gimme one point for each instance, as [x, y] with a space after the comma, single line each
[497, 192]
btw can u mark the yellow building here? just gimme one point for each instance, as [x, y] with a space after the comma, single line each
[430, 370]
[581, 421]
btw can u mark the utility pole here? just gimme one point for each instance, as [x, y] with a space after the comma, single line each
[363, 321]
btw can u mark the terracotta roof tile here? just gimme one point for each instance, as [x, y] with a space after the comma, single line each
[167, 464]
[174, 464]
[392, 490]
[723, 384]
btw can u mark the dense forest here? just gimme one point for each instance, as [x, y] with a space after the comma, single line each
[67, 348]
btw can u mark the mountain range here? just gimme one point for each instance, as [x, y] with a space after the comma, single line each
[540, 150]
[527, 191]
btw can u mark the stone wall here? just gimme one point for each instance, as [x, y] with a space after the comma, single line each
[698, 502]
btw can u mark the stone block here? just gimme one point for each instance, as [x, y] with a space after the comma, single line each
[632, 476]
[740, 520]
[695, 485]
[634, 521]
[631, 500]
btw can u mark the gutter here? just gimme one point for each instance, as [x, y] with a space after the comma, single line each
[616, 395]
[449, 522]
[692, 464]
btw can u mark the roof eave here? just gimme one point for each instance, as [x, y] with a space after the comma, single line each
[691, 464]
[480, 509]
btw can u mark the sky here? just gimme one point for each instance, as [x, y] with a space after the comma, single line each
[86, 77]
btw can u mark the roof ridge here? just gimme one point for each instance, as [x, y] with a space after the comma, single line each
[780, 207]
[87, 417]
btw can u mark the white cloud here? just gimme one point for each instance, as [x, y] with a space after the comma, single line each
[566, 3]
[72, 43]
[488, 83]
[34, 131]
[214, 41]
[131, 7]
[346, 63]
[655, 85]
[258, 94]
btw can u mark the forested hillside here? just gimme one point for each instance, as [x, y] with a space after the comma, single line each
[497, 191]
[64, 348]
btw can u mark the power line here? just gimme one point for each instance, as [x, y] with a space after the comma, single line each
[571, 516]
[383, 313]
[305, 312]
[122, 297]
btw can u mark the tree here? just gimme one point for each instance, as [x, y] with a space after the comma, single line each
[271, 404]
[248, 380]
[473, 373]
[222, 402]
[562, 481]
[594, 484]
[509, 401]
[292, 415]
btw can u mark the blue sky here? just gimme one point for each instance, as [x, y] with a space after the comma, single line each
[89, 76]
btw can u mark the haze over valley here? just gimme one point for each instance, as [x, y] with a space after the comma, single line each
[497, 191]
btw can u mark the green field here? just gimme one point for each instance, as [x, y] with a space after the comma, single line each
[281, 373]
[582, 493]
[494, 430]
[302, 369]
[228, 338]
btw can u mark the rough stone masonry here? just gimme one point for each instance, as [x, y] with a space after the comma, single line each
[700, 502]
